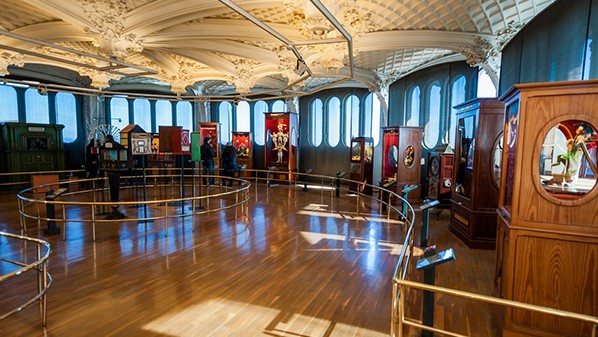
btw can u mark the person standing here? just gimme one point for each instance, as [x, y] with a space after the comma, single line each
[229, 163]
[92, 161]
[207, 159]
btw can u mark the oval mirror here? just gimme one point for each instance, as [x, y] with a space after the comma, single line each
[393, 155]
[568, 160]
[409, 156]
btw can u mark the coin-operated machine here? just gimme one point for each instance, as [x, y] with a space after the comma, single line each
[243, 148]
[440, 174]
[114, 159]
[362, 167]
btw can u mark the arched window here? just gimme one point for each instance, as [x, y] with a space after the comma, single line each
[351, 118]
[259, 122]
[413, 107]
[163, 114]
[66, 114]
[225, 111]
[279, 106]
[184, 115]
[315, 122]
[142, 114]
[485, 86]
[9, 109]
[432, 128]
[372, 117]
[334, 121]
[36, 107]
[119, 112]
[457, 96]
[243, 117]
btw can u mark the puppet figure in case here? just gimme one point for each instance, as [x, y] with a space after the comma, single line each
[401, 157]
[243, 148]
[361, 170]
[282, 140]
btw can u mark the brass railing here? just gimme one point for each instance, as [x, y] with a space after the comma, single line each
[30, 203]
[44, 279]
[401, 320]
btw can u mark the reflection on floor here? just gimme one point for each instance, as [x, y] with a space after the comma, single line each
[307, 264]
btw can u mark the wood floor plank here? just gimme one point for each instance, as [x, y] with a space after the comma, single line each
[306, 265]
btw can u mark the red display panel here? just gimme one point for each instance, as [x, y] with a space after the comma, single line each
[278, 135]
[242, 144]
[210, 130]
[390, 138]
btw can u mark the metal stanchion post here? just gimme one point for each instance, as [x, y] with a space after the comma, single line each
[425, 208]
[428, 264]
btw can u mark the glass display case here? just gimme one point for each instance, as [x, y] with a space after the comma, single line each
[474, 195]
[282, 144]
[547, 229]
[401, 158]
[361, 169]
[244, 148]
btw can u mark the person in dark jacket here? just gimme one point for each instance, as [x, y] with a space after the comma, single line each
[207, 159]
[92, 161]
[229, 163]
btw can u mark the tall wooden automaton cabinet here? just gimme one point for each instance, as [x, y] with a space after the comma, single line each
[547, 244]
[474, 195]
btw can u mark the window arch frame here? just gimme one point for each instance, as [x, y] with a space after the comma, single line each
[428, 118]
[316, 132]
[333, 130]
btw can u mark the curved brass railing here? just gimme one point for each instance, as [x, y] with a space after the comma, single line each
[402, 320]
[30, 203]
[44, 279]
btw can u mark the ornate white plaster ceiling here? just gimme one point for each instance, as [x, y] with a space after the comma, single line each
[247, 47]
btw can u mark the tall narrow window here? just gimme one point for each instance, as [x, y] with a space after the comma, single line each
[142, 115]
[225, 111]
[9, 109]
[259, 122]
[119, 112]
[36, 107]
[184, 115]
[351, 118]
[163, 114]
[432, 128]
[243, 117]
[334, 121]
[315, 122]
[279, 106]
[485, 86]
[413, 109]
[372, 117]
[66, 114]
[458, 96]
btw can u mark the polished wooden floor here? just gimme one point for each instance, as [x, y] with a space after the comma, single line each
[305, 265]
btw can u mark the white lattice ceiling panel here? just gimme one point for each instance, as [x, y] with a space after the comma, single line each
[13, 15]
